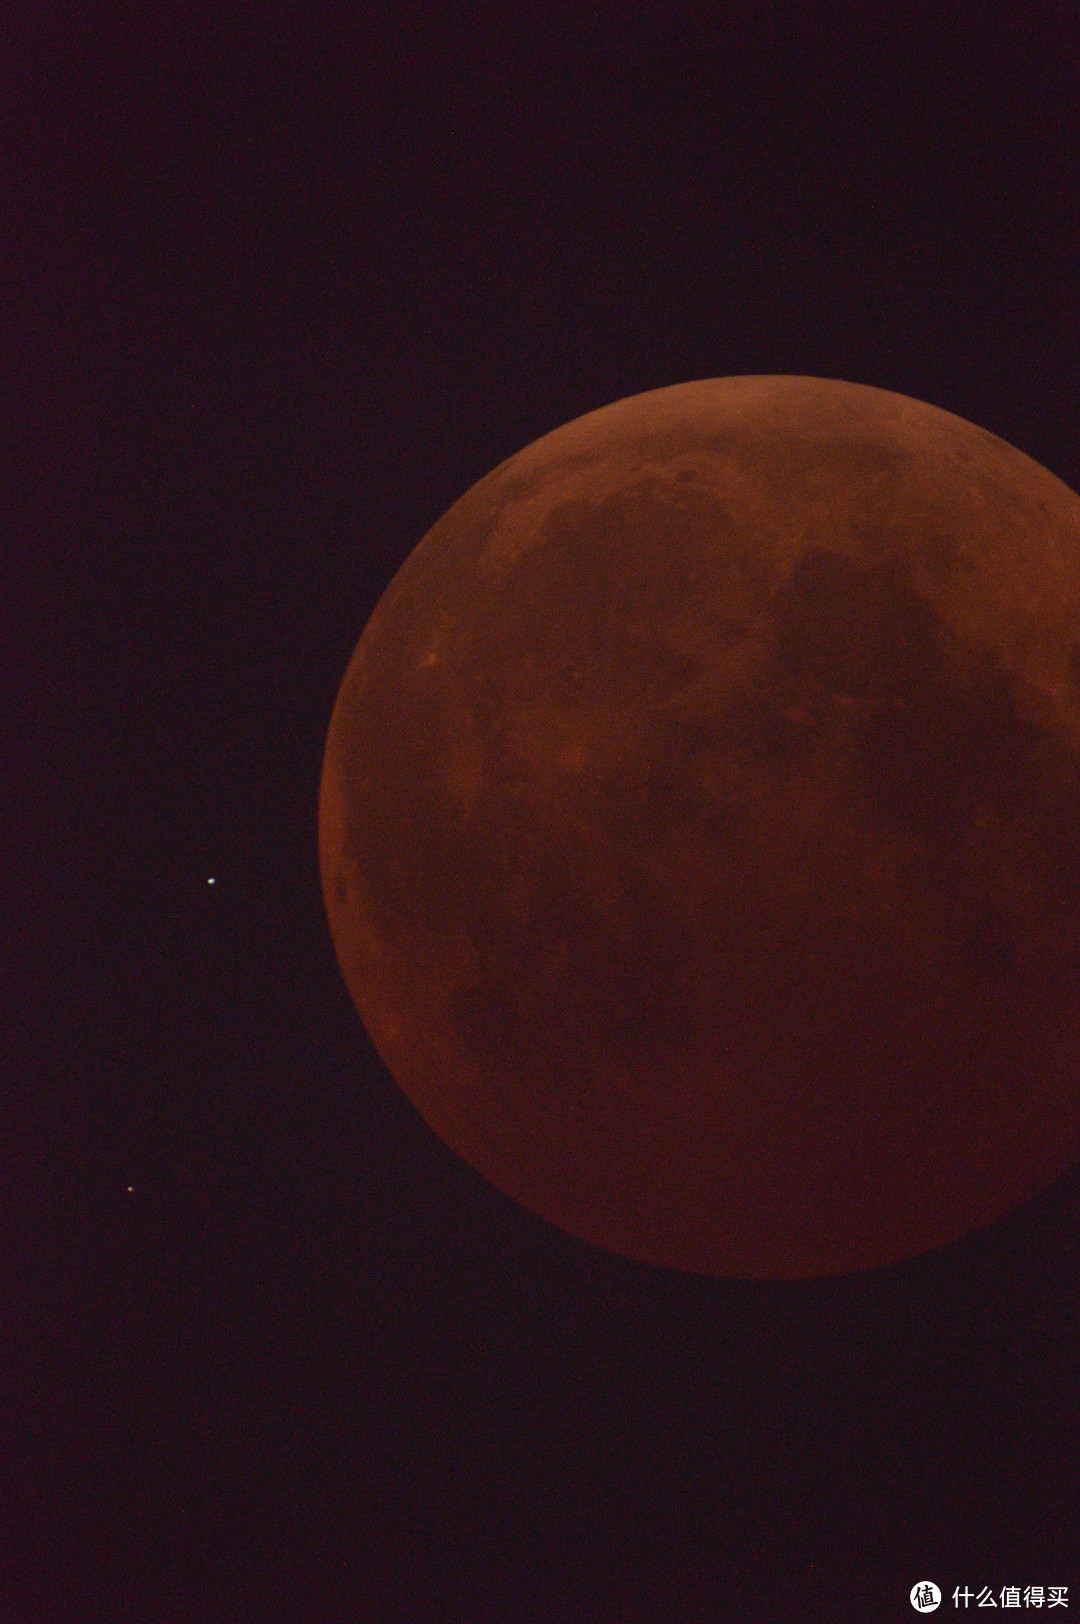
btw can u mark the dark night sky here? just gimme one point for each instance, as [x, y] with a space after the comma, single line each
[279, 284]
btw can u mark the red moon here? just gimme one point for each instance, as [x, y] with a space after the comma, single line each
[699, 827]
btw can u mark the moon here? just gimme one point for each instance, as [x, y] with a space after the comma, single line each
[699, 827]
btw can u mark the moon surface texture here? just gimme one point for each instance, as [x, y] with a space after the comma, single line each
[699, 827]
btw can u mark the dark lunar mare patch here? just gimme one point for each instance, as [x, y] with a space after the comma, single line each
[929, 747]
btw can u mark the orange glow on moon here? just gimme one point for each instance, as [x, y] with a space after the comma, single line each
[700, 827]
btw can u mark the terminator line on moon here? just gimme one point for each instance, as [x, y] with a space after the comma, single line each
[699, 827]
